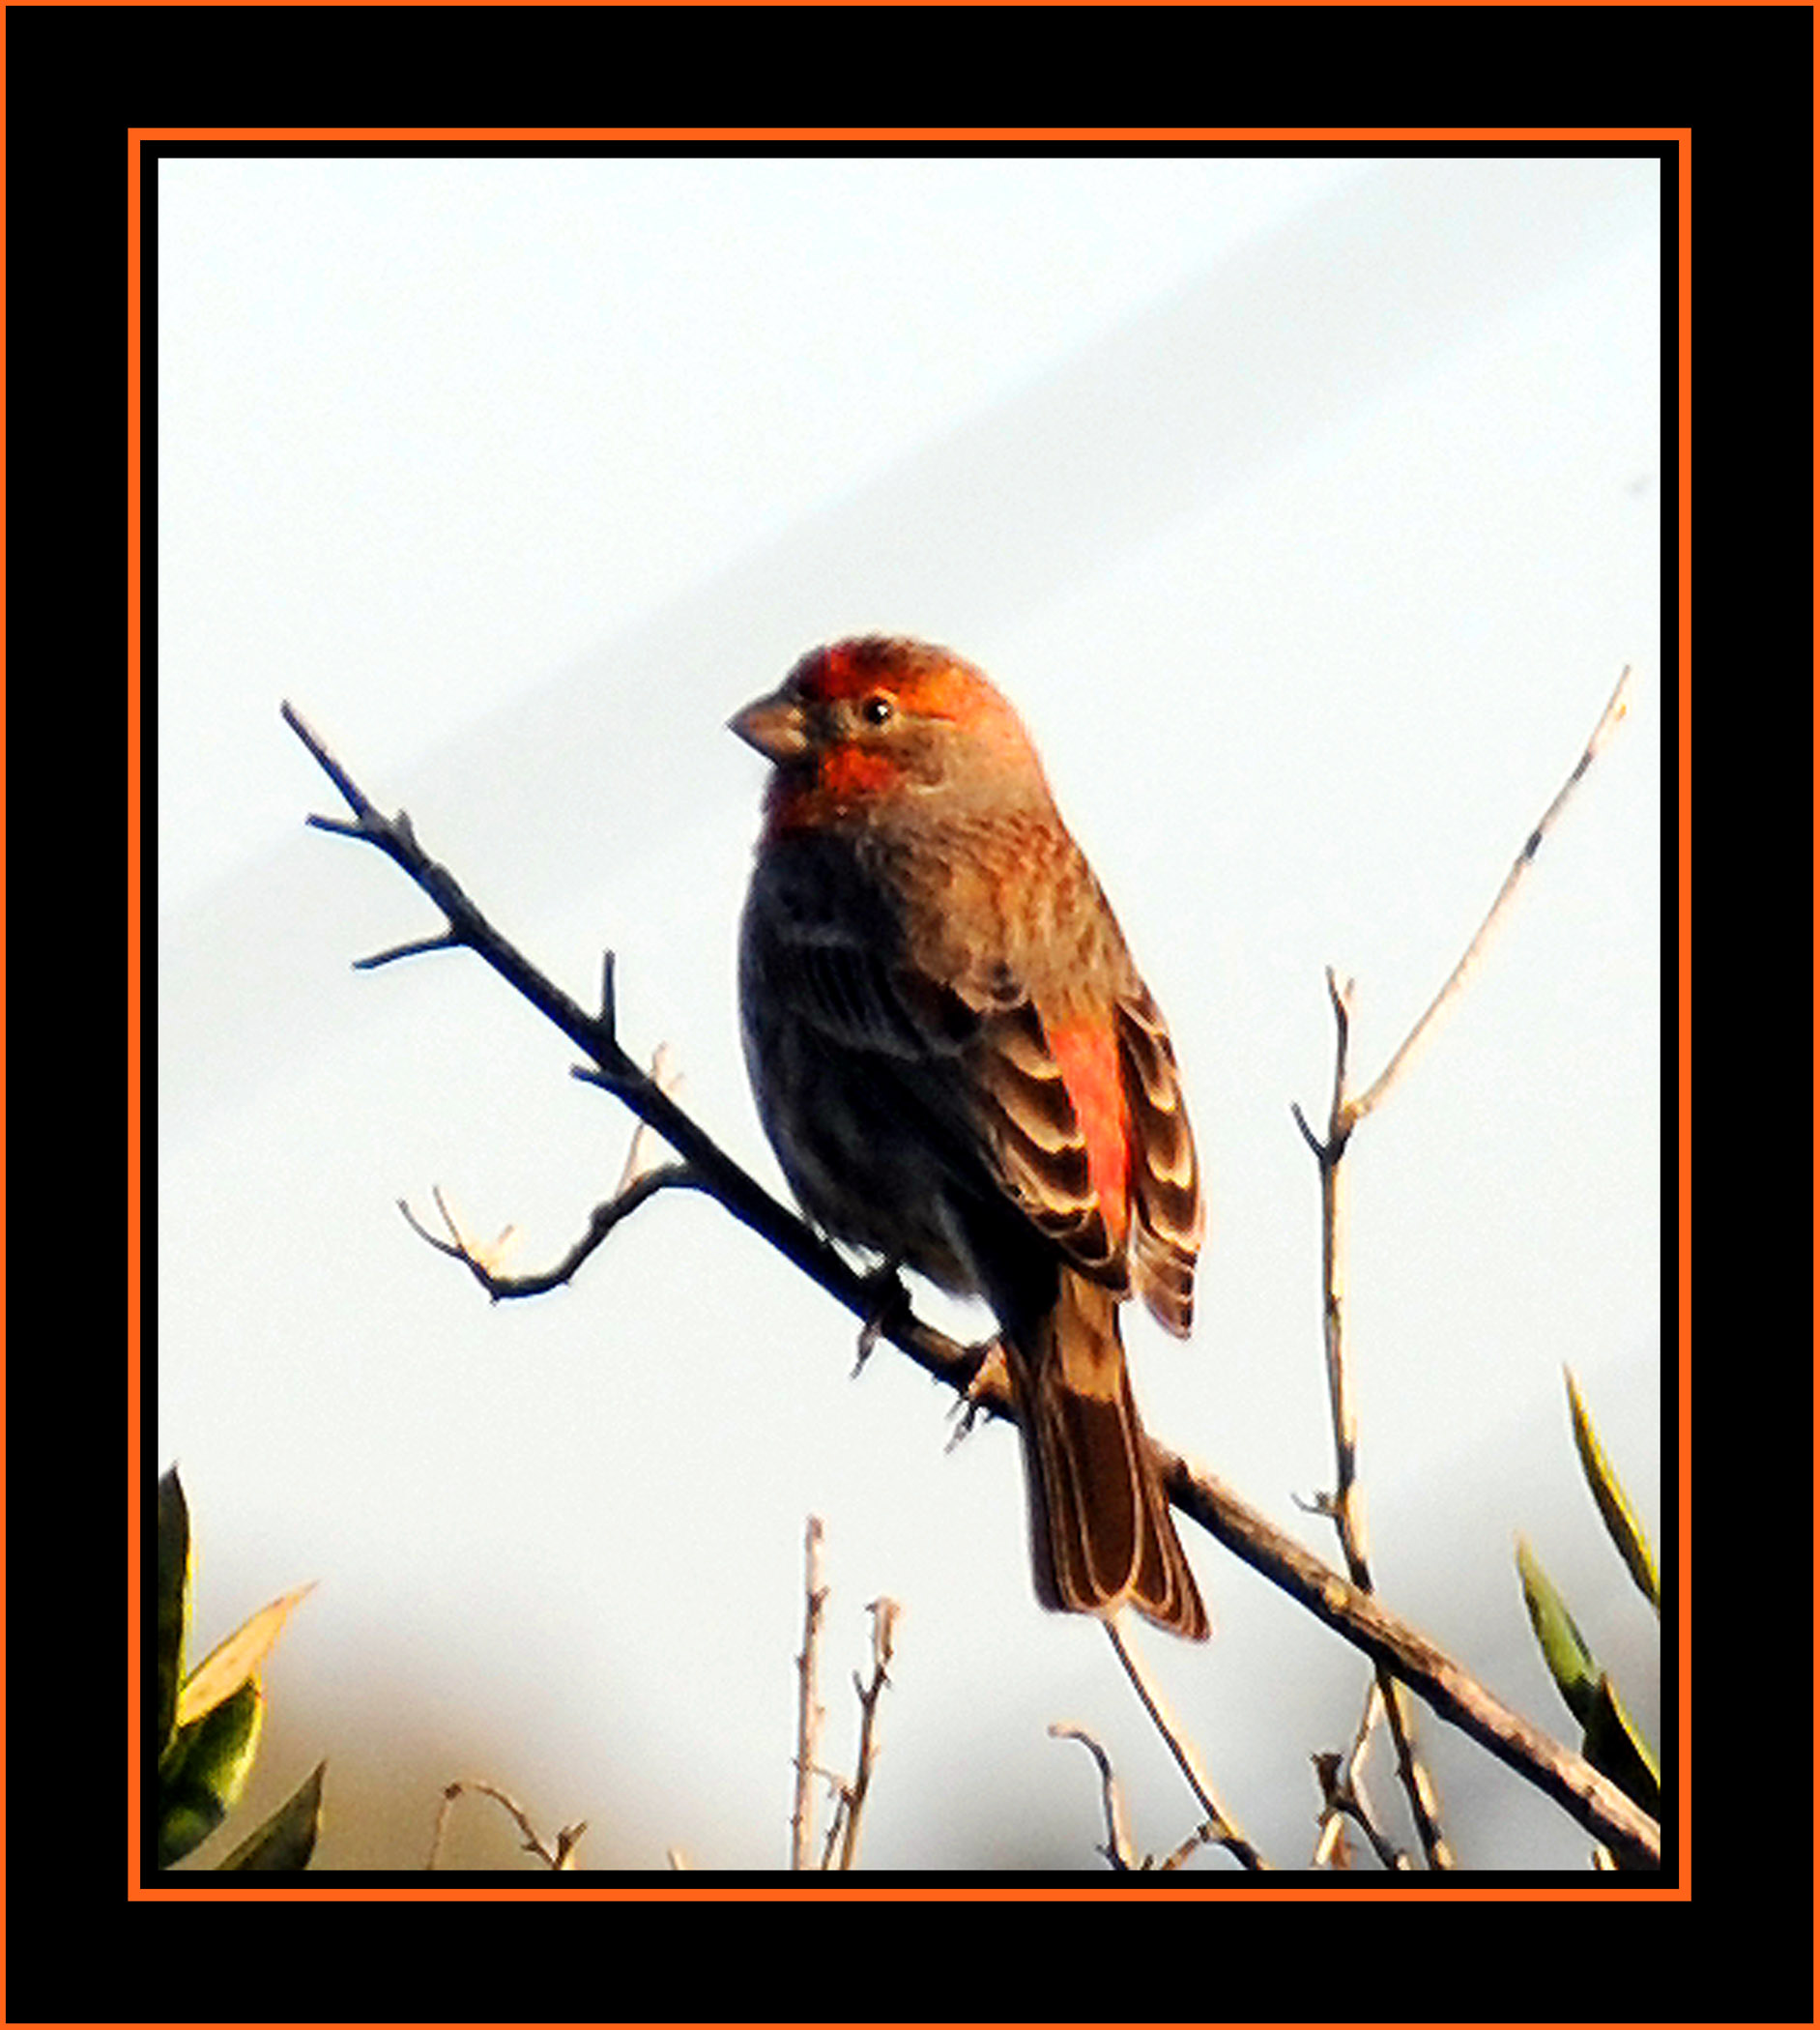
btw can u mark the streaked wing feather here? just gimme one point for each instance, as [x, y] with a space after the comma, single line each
[1035, 1141]
[1164, 1176]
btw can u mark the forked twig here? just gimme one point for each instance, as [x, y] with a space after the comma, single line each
[1343, 1797]
[483, 1262]
[852, 1802]
[558, 1854]
[1345, 1112]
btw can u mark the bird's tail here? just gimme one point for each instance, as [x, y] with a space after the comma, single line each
[1100, 1527]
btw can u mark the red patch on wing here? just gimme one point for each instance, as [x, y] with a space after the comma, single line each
[1087, 1054]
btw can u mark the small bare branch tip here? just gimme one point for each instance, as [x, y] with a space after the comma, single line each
[444, 941]
[1309, 1135]
[436, 1240]
[301, 727]
[642, 1158]
[1615, 712]
[1430, 1020]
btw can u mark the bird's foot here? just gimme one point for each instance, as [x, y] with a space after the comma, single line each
[890, 1303]
[991, 1378]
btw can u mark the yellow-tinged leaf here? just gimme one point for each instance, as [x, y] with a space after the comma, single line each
[1570, 1662]
[230, 1663]
[1621, 1519]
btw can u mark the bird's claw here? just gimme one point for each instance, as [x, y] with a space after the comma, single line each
[890, 1301]
[990, 1377]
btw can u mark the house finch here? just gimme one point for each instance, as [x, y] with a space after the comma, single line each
[961, 1070]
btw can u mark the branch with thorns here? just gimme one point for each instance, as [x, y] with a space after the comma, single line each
[1347, 1606]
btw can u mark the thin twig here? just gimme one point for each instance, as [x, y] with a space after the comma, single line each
[1331, 1829]
[884, 1613]
[1615, 709]
[808, 1711]
[482, 1261]
[1187, 1760]
[1185, 1850]
[1418, 1785]
[558, 1854]
[1341, 1798]
[1345, 1505]
[1118, 1848]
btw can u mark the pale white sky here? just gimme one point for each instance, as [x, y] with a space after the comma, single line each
[1307, 511]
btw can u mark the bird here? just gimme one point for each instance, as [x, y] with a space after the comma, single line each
[962, 1072]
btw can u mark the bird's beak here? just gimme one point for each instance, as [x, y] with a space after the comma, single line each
[773, 725]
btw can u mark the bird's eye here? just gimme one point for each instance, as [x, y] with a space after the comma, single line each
[878, 710]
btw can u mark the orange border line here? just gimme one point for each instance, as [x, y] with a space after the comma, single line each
[135, 1015]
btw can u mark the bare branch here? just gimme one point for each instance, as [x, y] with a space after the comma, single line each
[1345, 1505]
[1592, 1799]
[1596, 1804]
[711, 1169]
[808, 1711]
[1187, 1760]
[1618, 705]
[1342, 1798]
[1118, 1848]
[558, 1854]
[483, 1262]
[884, 1613]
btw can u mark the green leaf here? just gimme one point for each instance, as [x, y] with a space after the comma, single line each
[286, 1841]
[205, 1771]
[1621, 1519]
[1614, 1747]
[1563, 1649]
[175, 1567]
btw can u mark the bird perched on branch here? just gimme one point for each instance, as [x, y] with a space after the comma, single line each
[961, 1070]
